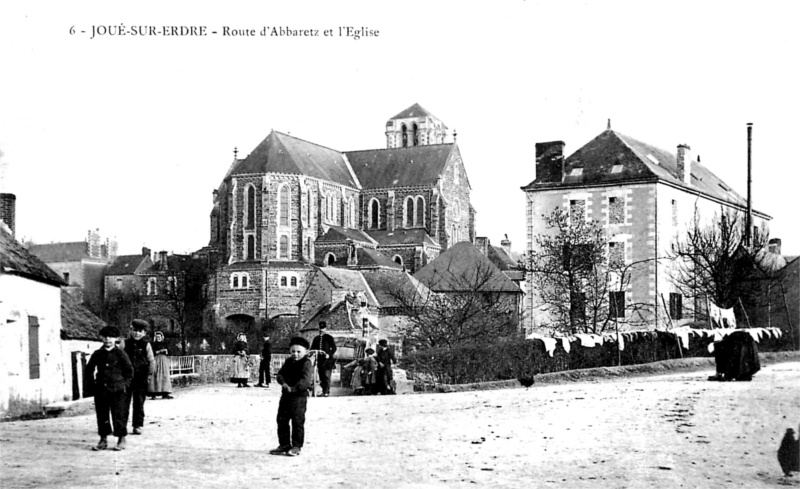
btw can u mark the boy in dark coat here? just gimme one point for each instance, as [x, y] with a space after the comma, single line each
[325, 347]
[294, 377]
[113, 378]
[141, 355]
[385, 359]
[264, 366]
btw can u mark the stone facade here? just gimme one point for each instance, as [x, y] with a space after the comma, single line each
[273, 208]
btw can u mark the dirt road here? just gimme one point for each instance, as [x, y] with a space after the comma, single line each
[676, 430]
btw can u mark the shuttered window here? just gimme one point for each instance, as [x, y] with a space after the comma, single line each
[33, 346]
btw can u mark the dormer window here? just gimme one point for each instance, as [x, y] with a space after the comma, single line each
[576, 172]
[616, 169]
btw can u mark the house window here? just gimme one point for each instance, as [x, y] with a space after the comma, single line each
[616, 253]
[674, 212]
[66, 277]
[616, 304]
[577, 210]
[287, 280]
[152, 286]
[33, 346]
[170, 285]
[239, 280]
[293, 281]
[283, 205]
[409, 212]
[244, 281]
[235, 282]
[675, 306]
[283, 247]
[118, 284]
[578, 256]
[250, 207]
[283, 281]
[405, 135]
[616, 210]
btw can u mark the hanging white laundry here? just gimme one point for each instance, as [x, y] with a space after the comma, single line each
[586, 340]
[683, 334]
[549, 344]
[598, 339]
[565, 344]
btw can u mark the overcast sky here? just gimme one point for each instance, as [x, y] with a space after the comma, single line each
[130, 134]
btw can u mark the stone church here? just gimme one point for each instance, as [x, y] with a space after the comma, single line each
[292, 205]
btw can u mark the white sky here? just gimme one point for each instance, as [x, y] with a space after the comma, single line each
[131, 134]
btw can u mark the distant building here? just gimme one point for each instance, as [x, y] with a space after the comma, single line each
[644, 197]
[82, 265]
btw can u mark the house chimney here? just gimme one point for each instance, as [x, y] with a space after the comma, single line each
[145, 251]
[8, 204]
[482, 243]
[775, 246]
[162, 261]
[550, 161]
[506, 245]
[684, 160]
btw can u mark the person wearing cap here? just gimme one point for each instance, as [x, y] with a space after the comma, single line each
[384, 377]
[112, 372]
[144, 363]
[264, 365]
[325, 346]
[294, 377]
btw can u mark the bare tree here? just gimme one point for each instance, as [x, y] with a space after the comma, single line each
[460, 306]
[580, 280]
[121, 306]
[715, 262]
[185, 294]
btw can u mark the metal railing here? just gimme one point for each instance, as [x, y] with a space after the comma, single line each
[181, 365]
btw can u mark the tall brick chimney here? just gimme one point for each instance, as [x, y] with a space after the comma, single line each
[162, 261]
[482, 243]
[550, 161]
[8, 205]
[145, 251]
[684, 160]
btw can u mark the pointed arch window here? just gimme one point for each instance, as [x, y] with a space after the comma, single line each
[414, 134]
[250, 207]
[251, 248]
[408, 214]
[374, 214]
[283, 205]
[404, 131]
[283, 247]
[352, 212]
[419, 217]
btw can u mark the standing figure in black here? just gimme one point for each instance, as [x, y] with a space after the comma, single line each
[385, 376]
[295, 378]
[264, 367]
[325, 347]
[141, 355]
[113, 377]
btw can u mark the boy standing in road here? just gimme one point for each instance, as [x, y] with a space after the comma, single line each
[141, 355]
[325, 347]
[294, 377]
[113, 378]
[264, 366]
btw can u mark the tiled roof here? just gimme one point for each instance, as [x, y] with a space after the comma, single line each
[498, 256]
[125, 264]
[415, 110]
[344, 279]
[281, 153]
[60, 252]
[373, 258]
[16, 260]
[387, 284]
[336, 234]
[77, 321]
[414, 236]
[635, 160]
[175, 263]
[461, 267]
[401, 167]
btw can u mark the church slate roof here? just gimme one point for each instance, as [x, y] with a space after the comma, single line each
[457, 268]
[373, 258]
[336, 234]
[15, 259]
[639, 161]
[60, 252]
[281, 153]
[415, 110]
[401, 167]
[412, 236]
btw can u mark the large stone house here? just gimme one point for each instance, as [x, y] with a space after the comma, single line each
[644, 197]
[82, 265]
[291, 205]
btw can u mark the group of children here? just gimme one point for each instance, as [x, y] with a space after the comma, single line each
[372, 375]
[124, 375]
